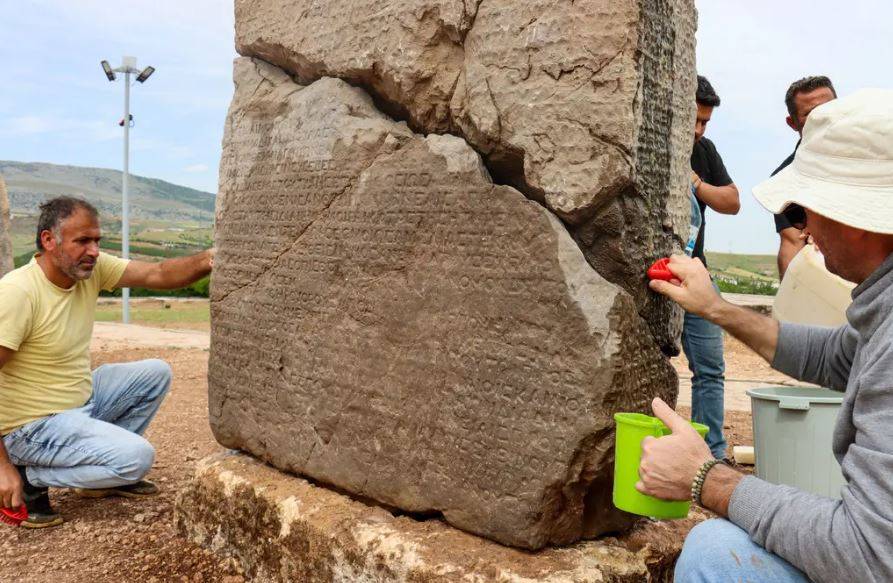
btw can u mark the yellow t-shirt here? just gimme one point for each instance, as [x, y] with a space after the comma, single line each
[49, 328]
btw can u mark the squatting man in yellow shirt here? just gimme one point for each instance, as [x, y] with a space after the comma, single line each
[61, 425]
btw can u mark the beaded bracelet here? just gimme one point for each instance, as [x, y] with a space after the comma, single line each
[700, 477]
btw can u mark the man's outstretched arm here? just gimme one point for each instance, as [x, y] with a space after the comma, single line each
[168, 274]
[693, 290]
[812, 354]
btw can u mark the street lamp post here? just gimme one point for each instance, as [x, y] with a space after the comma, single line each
[128, 67]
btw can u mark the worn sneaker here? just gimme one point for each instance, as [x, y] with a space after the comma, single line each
[37, 501]
[141, 489]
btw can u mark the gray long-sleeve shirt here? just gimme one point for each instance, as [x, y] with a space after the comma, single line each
[849, 539]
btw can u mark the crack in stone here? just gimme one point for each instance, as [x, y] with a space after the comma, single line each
[322, 213]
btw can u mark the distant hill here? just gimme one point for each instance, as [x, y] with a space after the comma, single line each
[30, 183]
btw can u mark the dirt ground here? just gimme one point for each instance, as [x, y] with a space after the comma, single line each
[116, 539]
[112, 540]
[744, 370]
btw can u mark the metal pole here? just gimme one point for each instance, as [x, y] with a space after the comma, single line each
[125, 217]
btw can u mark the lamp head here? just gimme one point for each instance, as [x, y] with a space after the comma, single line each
[108, 70]
[145, 74]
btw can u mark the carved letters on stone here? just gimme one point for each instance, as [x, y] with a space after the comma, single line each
[587, 106]
[388, 320]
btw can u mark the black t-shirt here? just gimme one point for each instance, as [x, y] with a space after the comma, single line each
[707, 164]
[781, 223]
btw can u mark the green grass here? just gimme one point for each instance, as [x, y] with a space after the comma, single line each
[191, 315]
[762, 265]
[744, 274]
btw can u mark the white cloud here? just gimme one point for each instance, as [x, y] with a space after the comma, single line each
[196, 168]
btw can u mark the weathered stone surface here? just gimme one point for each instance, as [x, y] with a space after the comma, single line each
[387, 320]
[587, 106]
[6, 256]
[281, 528]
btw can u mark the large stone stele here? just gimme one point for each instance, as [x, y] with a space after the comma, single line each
[586, 106]
[6, 255]
[282, 528]
[387, 320]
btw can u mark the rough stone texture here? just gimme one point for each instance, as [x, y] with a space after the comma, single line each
[282, 528]
[6, 256]
[587, 106]
[387, 320]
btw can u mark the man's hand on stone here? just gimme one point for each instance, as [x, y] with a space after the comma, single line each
[669, 464]
[10, 487]
[692, 287]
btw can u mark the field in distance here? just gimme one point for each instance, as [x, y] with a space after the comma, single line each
[745, 274]
[170, 313]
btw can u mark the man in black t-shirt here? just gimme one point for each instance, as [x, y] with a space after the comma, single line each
[701, 339]
[713, 186]
[801, 98]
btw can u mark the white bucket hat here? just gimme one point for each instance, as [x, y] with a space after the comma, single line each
[843, 168]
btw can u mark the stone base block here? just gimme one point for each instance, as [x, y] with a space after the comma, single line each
[283, 528]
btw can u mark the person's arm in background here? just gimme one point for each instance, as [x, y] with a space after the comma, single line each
[10, 481]
[720, 194]
[722, 199]
[790, 243]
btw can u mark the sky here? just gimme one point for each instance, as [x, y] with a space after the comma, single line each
[57, 106]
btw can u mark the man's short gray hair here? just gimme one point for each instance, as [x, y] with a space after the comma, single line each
[56, 210]
[805, 85]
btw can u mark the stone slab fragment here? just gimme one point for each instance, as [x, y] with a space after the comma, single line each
[6, 254]
[587, 106]
[283, 528]
[387, 320]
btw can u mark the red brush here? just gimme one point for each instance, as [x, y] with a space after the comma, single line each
[13, 517]
[659, 270]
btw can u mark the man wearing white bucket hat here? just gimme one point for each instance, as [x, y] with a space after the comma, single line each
[840, 190]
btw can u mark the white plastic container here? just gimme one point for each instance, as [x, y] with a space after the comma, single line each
[810, 294]
[792, 432]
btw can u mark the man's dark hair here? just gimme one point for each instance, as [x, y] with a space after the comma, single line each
[56, 210]
[805, 85]
[705, 94]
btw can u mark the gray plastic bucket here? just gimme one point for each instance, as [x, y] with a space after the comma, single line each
[792, 430]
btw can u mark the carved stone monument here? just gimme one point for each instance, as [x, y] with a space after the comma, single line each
[433, 224]
[585, 106]
[6, 255]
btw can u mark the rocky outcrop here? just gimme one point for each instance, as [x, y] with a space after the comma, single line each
[387, 320]
[6, 254]
[282, 528]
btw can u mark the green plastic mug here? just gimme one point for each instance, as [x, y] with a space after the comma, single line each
[632, 428]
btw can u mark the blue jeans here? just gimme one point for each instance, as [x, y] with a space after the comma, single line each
[702, 344]
[98, 445]
[717, 550]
